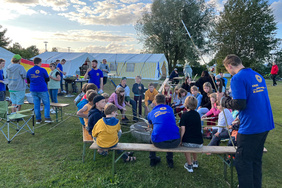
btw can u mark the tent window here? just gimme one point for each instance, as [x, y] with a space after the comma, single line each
[113, 67]
[130, 67]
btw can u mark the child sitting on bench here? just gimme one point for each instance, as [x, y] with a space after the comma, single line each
[107, 132]
[83, 112]
[191, 131]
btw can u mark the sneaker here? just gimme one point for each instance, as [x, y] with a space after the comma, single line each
[63, 91]
[48, 120]
[38, 121]
[52, 111]
[124, 121]
[155, 161]
[195, 164]
[169, 163]
[189, 168]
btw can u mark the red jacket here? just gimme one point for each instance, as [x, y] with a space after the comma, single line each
[274, 69]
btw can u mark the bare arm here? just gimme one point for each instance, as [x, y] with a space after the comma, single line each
[182, 133]
[81, 114]
[101, 83]
[86, 74]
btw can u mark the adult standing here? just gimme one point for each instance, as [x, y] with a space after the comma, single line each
[54, 84]
[95, 76]
[250, 97]
[38, 77]
[274, 72]
[106, 69]
[128, 100]
[172, 75]
[60, 69]
[16, 82]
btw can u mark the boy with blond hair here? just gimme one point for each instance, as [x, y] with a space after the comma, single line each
[191, 131]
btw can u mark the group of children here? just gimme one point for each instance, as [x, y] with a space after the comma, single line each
[98, 114]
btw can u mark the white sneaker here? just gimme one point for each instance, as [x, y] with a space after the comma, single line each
[189, 168]
[52, 111]
[195, 164]
[63, 91]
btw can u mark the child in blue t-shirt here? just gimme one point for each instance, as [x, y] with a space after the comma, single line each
[191, 131]
[2, 85]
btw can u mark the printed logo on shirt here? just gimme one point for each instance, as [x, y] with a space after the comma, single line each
[97, 74]
[37, 71]
[163, 108]
[259, 79]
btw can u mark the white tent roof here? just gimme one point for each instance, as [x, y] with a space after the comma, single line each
[74, 60]
[7, 56]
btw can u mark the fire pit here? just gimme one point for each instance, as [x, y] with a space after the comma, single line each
[140, 132]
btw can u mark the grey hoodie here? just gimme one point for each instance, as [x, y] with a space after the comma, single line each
[16, 75]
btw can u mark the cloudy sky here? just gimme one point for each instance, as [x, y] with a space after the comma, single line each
[97, 26]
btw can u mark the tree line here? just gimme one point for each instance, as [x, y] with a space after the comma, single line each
[246, 28]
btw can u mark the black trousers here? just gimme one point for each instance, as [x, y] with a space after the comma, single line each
[249, 159]
[165, 145]
[274, 78]
[105, 79]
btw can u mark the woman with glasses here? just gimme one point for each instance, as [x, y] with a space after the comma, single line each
[54, 84]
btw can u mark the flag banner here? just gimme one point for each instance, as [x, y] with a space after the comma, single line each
[29, 64]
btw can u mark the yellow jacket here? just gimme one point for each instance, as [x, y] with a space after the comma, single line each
[150, 95]
[106, 135]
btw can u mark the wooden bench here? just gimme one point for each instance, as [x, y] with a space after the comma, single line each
[58, 106]
[219, 150]
[87, 138]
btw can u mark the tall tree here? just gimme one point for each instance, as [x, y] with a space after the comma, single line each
[54, 49]
[246, 28]
[161, 29]
[26, 53]
[4, 41]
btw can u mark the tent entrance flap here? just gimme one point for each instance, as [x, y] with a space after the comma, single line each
[164, 70]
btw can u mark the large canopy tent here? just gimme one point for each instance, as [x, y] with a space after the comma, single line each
[148, 66]
[74, 60]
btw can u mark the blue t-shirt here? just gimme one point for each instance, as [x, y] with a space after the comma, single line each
[37, 76]
[257, 116]
[2, 86]
[95, 76]
[61, 68]
[164, 125]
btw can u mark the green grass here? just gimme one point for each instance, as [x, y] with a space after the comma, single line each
[52, 158]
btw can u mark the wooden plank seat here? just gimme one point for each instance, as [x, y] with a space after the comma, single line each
[87, 138]
[219, 150]
[58, 107]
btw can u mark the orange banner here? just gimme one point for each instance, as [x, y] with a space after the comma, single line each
[29, 64]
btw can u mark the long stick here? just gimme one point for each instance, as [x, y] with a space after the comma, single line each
[211, 78]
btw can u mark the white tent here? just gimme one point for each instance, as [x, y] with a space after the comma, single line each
[7, 56]
[148, 66]
[74, 60]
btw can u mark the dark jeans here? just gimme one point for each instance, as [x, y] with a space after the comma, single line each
[274, 78]
[105, 79]
[165, 145]
[249, 159]
[2, 95]
[139, 100]
[61, 84]
[133, 105]
[215, 141]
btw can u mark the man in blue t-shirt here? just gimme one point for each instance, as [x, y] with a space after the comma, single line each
[2, 85]
[165, 132]
[61, 70]
[38, 77]
[250, 97]
[95, 76]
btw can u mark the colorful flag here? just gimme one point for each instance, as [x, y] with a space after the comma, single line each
[29, 64]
